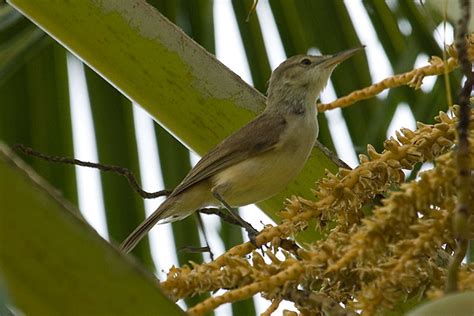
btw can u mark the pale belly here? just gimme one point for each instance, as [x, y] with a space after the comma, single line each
[266, 175]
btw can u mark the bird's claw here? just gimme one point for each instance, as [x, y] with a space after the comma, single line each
[252, 233]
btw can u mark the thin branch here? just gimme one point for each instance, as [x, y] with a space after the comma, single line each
[108, 168]
[224, 216]
[201, 226]
[461, 216]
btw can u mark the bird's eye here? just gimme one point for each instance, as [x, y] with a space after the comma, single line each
[306, 62]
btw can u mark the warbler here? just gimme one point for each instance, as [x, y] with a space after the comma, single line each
[260, 159]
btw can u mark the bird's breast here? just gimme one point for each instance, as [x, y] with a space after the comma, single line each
[261, 177]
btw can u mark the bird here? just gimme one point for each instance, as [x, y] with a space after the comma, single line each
[257, 161]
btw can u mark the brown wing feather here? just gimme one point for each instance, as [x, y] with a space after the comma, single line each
[258, 136]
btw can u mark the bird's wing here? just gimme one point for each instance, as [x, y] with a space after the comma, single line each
[259, 136]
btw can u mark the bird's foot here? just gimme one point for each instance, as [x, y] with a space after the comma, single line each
[252, 233]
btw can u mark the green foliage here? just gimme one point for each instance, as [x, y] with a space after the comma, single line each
[53, 263]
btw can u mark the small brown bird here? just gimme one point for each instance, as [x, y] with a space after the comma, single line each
[259, 160]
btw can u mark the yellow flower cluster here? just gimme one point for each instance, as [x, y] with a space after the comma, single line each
[413, 78]
[402, 240]
[366, 262]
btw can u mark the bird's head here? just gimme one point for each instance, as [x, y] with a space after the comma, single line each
[302, 77]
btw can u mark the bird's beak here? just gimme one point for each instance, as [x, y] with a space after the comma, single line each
[338, 58]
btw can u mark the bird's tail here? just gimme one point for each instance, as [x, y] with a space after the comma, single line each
[134, 238]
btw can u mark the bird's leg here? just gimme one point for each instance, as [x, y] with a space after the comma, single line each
[251, 232]
[207, 248]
